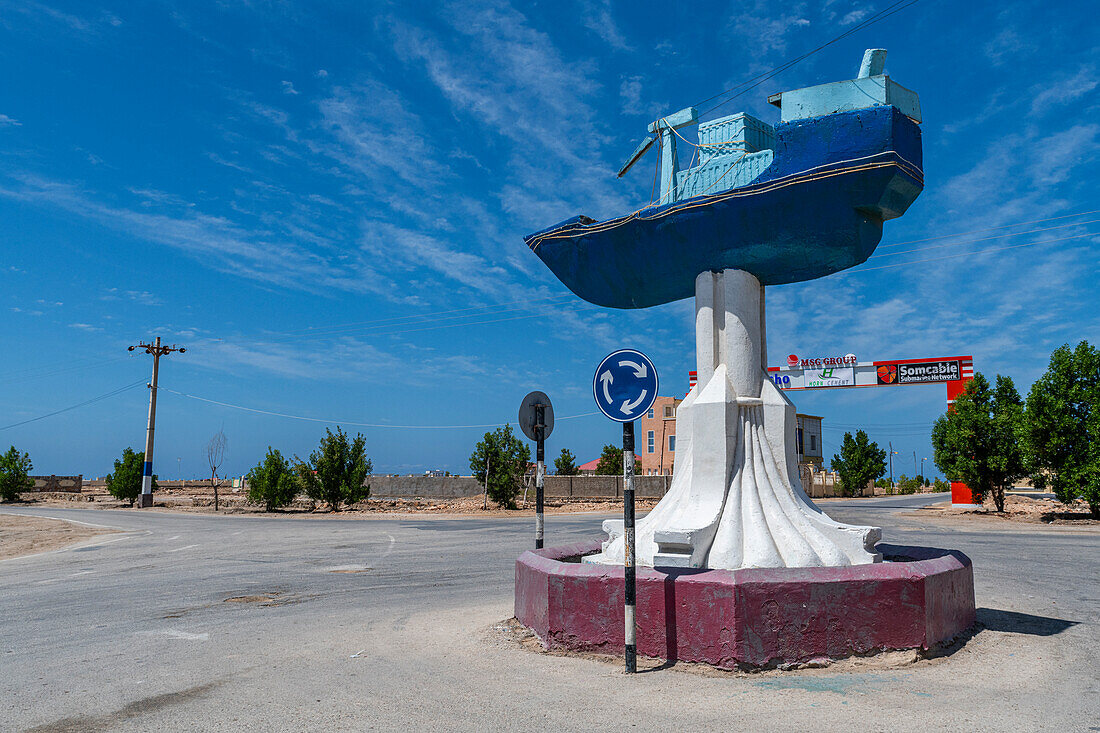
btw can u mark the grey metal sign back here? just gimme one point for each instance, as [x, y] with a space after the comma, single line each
[528, 415]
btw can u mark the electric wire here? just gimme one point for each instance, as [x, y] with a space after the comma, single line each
[73, 407]
[989, 229]
[982, 239]
[968, 254]
[359, 424]
[310, 330]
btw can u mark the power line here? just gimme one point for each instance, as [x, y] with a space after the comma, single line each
[984, 239]
[112, 393]
[358, 424]
[971, 254]
[989, 229]
[395, 321]
[27, 375]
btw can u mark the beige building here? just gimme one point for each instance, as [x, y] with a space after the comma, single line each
[655, 437]
[808, 440]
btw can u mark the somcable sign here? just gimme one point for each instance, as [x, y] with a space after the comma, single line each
[929, 371]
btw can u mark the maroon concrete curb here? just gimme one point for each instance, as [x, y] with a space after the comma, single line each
[749, 618]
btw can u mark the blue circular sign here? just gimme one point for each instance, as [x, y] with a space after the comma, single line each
[625, 385]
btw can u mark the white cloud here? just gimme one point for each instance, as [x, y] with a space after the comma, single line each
[1065, 90]
[595, 15]
[630, 92]
[6, 121]
[288, 87]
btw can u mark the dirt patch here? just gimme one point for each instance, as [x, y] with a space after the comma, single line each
[22, 535]
[512, 633]
[176, 500]
[264, 599]
[1023, 509]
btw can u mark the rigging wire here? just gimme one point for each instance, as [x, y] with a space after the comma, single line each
[359, 424]
[112, 393]
[756, 81]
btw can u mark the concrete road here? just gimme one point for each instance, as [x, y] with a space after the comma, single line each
[387, 624]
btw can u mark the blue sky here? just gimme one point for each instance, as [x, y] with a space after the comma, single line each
[326, 202]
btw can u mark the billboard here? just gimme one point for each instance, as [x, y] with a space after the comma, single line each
[831, 377]
[929, 371]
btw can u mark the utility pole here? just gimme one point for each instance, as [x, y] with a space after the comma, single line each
[146, 499]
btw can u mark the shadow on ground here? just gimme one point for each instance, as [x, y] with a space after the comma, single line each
[1021, 623]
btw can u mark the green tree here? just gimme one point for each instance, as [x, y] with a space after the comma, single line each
[272, 482]
[858, 462]
[611, 462]
[337, 471]
[940, 485]
[124, 482]
[978, 440]
[908, 485]
[1062, 426]
[499, 462]
[566, 463]
[14, 467]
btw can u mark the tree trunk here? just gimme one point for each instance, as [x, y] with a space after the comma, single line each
[999, 498]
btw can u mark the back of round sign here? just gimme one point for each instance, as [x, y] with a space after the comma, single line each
[528, 415]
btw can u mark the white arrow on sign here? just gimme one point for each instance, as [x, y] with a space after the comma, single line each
[639, 369]
[607, 379]
[628, 407]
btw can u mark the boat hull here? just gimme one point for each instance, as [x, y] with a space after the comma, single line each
[818, 209]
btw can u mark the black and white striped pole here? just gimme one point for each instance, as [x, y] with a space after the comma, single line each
[536, 420]
[624, 386]
[629, 576]
[540, 471]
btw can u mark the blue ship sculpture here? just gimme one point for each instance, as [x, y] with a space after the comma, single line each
[793, 202]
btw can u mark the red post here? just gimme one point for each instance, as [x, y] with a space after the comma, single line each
[960, 492]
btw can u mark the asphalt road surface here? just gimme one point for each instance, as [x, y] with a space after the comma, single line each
[388, 624]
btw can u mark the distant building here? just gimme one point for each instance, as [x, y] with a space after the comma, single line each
[808, 440]
[655, 437]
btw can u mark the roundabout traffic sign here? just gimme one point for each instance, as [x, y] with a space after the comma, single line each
[625, 385]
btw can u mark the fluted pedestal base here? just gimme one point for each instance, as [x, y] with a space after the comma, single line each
[735, 499]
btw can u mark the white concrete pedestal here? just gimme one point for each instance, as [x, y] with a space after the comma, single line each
[735, 500]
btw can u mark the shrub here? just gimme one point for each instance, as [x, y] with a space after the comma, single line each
[337, 471]
[272, 482]
[499, 463]
[611, 462]
[124, 483]
[14, 467]
[1062, 426]
[566, 463]
[859, 462]
[977, 441]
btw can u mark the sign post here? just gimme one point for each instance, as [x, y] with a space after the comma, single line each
[624, 387]
[536, 420]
